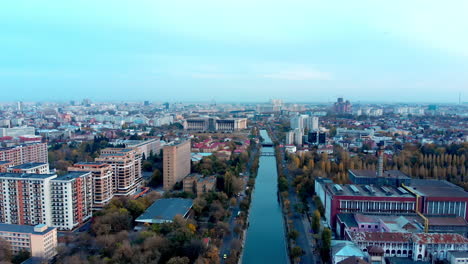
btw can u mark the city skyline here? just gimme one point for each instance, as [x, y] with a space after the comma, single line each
[178, 51]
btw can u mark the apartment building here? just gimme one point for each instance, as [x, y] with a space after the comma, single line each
[103, 187]
[21, 154]
[126, 163]
[196, 183]
[4, 165]
[25, 198]
[39, 240]
[30, 167]
[71, 200]
[176, 163]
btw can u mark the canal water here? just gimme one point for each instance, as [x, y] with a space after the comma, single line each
[265, 241]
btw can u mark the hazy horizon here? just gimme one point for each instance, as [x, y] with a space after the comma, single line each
[244, 51]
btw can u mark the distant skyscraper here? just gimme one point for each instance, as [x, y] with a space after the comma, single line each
[176, 163]
[342, 107]
[146, 103]
[20, 106]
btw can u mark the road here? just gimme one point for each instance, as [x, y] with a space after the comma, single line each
[228, 238]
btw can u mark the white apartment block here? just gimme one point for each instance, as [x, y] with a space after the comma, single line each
[71, 200]
[25, 198]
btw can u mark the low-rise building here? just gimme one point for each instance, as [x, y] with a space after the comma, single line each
[164, 210]
[196, 183]
[39, 240]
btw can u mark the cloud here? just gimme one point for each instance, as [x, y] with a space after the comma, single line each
[299, 74]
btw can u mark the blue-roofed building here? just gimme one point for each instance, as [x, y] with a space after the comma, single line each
[343, 249]
[164, 210]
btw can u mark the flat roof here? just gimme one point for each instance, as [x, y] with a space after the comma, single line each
[386, 174]
[4, 162]
[164, 210]
[29, 165]
[26, 175]
[367, 190]
[437, 188]
[22, 229]
[71, 175]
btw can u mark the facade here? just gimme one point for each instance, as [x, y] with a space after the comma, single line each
[146, 147]
[215, 124]
[440, 198]
[21, 154]
[351, 198]
[126, 163]
[290, 138]
[25, 198]
[71, 200]
[31, 167]
[196, 183]
[103, 187]
[39, 240]
[17, 131]
[317, 138]
[457, 257]
[176, 163]
[418, 247]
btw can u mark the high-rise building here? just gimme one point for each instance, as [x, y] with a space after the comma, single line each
[342, 107]
[176, 163]
[298, 136]
[71, 200]
[25, 198]
[312, 123]
[290, 138]
[126, 163]
[40, 240]
[21, 154]
[103, 187]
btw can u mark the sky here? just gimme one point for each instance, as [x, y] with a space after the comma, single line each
[234, 51]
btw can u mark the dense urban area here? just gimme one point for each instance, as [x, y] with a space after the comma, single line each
[144, 182]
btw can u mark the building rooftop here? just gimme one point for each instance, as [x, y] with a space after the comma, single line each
[386, 174]
[4, 162]
[353, 260]
[164, 210]
[345, 248]
[447, 221]
[366, 190]
[438, 238]
[71, 175]
[437, 188]
[23, 229]
[29, 165]
[26, 175]
[379, 236]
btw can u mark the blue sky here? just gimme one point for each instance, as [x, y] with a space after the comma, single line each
[393, 51]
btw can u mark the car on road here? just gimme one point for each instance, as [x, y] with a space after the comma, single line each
[225, 256]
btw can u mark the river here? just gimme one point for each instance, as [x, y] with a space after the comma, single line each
[265, 242]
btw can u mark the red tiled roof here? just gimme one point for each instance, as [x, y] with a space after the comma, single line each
[436, 238]
[380, 236]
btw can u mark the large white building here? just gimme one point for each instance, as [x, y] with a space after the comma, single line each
[71, 200]
[32, 199]
[17, 131]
